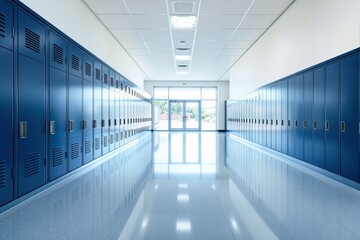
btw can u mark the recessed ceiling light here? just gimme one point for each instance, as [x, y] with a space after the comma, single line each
[182, 73]
[182, 42]
[183, 22]
[182, 57]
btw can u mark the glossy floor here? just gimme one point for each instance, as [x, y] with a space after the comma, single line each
[189, 186]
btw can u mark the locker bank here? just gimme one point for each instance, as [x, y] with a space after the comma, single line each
[179, 119]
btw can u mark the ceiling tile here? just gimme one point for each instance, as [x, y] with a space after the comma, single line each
[207, 52]
[132, 44]
[117, 21]
[146, 7]
[218, 21]
[240, 44]
[183, 34]
[258, 21]
[138, 52]
[224, 6]
[110, 7]
[155, 34]
[233, 51]
[210, 44]
[269, 7]
[161, 52]
[214, 34]
[158, 44]
[126, 34]
[151, 21]
[248, 34]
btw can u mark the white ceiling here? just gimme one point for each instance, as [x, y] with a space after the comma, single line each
[225, 30]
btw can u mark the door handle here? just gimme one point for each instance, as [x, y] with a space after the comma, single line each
[23, 130]
[327, 125]
[71, 125]
[84, 124]
[94, 124]
[102, 123]
[304, 124]
[52, 127]
[314, 124]
[343, 126]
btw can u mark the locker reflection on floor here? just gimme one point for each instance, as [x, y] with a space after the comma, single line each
[198, 186]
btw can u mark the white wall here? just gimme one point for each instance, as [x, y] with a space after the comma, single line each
[309, 32]
[76, 20]
[223, 93]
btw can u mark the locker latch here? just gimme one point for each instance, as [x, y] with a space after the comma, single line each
[52, 127]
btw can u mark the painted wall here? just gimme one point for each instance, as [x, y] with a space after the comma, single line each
[309, 32]
[75, 19]
[223, 93]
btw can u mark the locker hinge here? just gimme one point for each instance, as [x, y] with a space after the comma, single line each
[13, 32]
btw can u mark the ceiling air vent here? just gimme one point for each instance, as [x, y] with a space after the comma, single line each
[183, 50]
[183, 66]
[183, 7]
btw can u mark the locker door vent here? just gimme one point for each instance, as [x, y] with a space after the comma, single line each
[58, 205]
[87, 188]
[112, 81]
[75, 195]
[57, 156]
[97, 74]
[117, 137]
[87, 146]
[88, 69]
[2, 26]
[32, 164]
[58, 54]
[111, 139]
[75, 62]
[97, 143]
[2, 174]
[32, 40]
[75, 150]
[105, 141]
[105, 78]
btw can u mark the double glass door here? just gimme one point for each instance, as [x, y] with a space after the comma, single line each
[184, 115]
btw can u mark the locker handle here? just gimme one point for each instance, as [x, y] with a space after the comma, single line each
[304, 123]
[288, 123]
[71, 125]
[94, 124]
[282, 122]
[277, 122]
[259, 121]
[343, 126]
[109, 122]
[271, 122]
[115, 122]
[314, 124]
[52, 127]
[327, 125]
[296, 123]
[23, 130]
[84, 124]
[102, 123]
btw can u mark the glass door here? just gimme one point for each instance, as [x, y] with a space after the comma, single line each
[184, 115]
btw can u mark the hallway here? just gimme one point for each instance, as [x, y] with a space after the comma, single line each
[189, 185]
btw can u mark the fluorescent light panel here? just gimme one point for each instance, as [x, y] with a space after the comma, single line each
[183, 22]
[183, 57]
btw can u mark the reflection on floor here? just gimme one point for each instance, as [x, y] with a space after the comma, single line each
[189, 186]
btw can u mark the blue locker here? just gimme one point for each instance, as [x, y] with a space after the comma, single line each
[87, 103]
[6, 98]
[332, 112]
[31, 117]
[105, 111]
[284, 116]
[319, 117]
[6, 24]
[91, 70]
[278, 116]
[57, 106]
[58, 162]
[122, 111]
[291, 117]
[299, 116]
[97, 110]
[117, 111]
[97, 145]
[31, 168]
[111, 120]
[6, 181]
[308, 116]
[268, 117]
[273, 116]
[75, 122]
[263, 117]
[75, 62]
[349, 125]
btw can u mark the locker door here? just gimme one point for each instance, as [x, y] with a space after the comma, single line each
[105, 111]
[308, 116]
[31, 122]
[268, 117]
[117, 112]
[273, 117]
[299, 108]
[87, 103]
[75, 122]
[6, 24]
[6, 98]
[349, 117]
[6, 181]
[122, 111]
[278, 116]
[57, 106]
[97, 110]
[291, 117]
[332, 133]
[284, 116]
[111, 111]
[319, 117]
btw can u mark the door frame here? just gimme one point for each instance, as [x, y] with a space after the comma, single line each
[184, 127]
